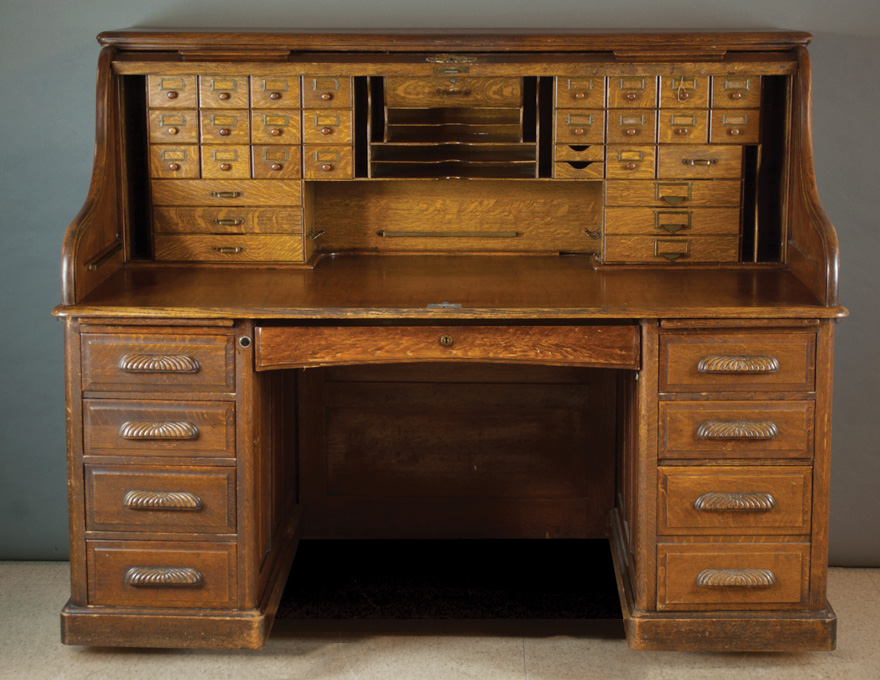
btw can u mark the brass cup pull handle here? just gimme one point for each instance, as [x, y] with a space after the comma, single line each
[158, 363]
[446, 340]
[152, 430]
[453, 93]
[738, 429]
[699, 161]
[729, 501]
[672, 257]
[225, 194]
[231, 222]
[738, 363]
[672, 227]
[162, 500]
[736, 578]
[229, 250]
[162, 577]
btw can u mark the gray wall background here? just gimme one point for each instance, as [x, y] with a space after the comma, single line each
[47, 76]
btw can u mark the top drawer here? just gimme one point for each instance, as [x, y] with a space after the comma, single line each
[158, 361]
[452, 91]
[738, 362]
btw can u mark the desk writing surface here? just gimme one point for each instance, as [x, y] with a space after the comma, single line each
[485, 287]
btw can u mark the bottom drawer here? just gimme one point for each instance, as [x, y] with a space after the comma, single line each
[166, 574]
[228, 248]
[695, 576]
[651, 249]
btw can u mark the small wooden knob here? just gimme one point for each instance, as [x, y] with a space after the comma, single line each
[276, 166]
[578, 131]
[326, 96]
[630, 166]
[632, 96]
[173, 166]
[733, 131]
[223, 132]
[736, 95]
[275, 95]
[326, 130]
[223, 96]
[682, 96]
[682, 131]
[326, 167]
[580, 95]
[225, 166]
[275, 132]
[172, 95]
[173, 131]
[631, 131]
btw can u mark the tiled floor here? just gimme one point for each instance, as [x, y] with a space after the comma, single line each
[32, 593]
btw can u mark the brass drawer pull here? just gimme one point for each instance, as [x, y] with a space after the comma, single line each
[158, 430]
[225, 194]
[698, 161]
[161, 500]
[725, 501]
[738, 363]
[229, 222]
[229, 250]
[449, 234]
[158, 363]
[453, 93]
[736, 578]
[160, 577]
[737, 429]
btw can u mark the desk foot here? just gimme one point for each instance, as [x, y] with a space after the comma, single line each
[724, 631]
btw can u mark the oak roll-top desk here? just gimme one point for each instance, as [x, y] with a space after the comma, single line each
[450, 286]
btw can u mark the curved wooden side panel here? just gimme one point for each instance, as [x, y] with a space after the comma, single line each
[812, 244]
[92, 243]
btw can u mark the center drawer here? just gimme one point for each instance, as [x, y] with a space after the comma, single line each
[601, 346]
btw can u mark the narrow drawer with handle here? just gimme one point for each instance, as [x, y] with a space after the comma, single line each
[453, 91]
[229, 192]
[732, 500]
[218, 220]
[672, 249]
[143, 498]
[699, 162]
[232, 248]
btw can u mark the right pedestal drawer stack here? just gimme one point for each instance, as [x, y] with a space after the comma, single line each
[736, 450]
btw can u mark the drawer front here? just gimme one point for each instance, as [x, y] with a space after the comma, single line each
[157, 361]
[674, 249]
[453, 91]
[747, 576]
[736, 92]
[166, 574]
[158, 428]
[228, 248]
[226, 161]
[583, 92]
[327, 127]
[179, 92]
[737, 362]
[684, 127]
[682, 193]
[734, 500]
[136, 498]
[328, 92]
[579, 170]
[174, 162]
[275, 92]
[275, 127]
[227, 192]
[699, 222]
[632, 162]
[736, 127]
[227, 221]
[327, 162]
[684, 92]
[610, 346]
[580, 126]
[223, 92]
[632, 92]
[276, 162]
[566, 152]
[627, 126]
[699, 162]
[736, 429]
[174, 126]
[224, 127]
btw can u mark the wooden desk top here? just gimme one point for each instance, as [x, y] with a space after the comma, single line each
[402, 287]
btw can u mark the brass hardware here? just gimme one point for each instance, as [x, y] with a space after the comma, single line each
[104, 257]
[168, 430]
[172, 95]
[231, 222]
[446, 340]
[173, 131]
[450, 59]
[159, 577]
[675, 255]
[275, 95]
[158, 363]
[229, 250]
[453, 93]
[326, 130]
[244, 342]
[225, 166]
[673, 227]
[699, 161]
[276, 166]
[326, 96]
[444, 305]
[174, 166]
[275, 132]
[673, 199]
[451, 71]
[594, 234]
[223, 96]
[326, 167]
[736, 578]
[672, 257]
[223, 132]
[738, 429]
[315, 235]
[225, 194]
[449, 234]
[722, 501]
[738, 363]
[161, 500]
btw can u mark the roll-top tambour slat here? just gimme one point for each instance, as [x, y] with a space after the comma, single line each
[158, 363]
[160, 577]
[159, 430]
[742, 363]
[161, 500]
[736, 578]
[725, 501]
[737, 429]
